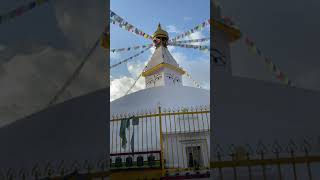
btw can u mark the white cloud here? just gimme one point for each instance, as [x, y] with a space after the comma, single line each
[172, 29]
[195, 35]
[121, 85]
[135, 68]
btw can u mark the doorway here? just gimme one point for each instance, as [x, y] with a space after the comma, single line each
[194, 156]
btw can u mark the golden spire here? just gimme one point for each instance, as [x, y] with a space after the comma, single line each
[160, 33]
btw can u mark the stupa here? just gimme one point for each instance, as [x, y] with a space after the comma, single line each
[163, 82]
[185, 139]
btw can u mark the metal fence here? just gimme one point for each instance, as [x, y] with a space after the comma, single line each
[171, 143]
[58, 170]
[273, 161]
[167, 138]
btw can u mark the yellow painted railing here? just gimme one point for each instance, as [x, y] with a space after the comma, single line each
[172, 138]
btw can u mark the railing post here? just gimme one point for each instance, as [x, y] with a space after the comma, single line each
[308, 163]
[161, 140]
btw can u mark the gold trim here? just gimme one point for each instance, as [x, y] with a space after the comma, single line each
[257, 162]
[157, 67]
[235, 34]
[166, 114]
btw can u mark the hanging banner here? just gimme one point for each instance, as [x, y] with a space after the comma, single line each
[129, 58]
[115, 19]
[201, 48]
[130, 48]
[195, 29]
[271, 66]
[21, 10]
[193, 40]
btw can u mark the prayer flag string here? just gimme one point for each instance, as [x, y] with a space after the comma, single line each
[135, 82]
[253, 48]
[195, 29]
[130, 48]
[192, 40]
[271, 66]
[21, 10]
[116, 19]
[194, 82]
[75, 73]
[199, 47]
[130, 58]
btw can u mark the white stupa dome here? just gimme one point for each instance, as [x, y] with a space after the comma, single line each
[165, 96]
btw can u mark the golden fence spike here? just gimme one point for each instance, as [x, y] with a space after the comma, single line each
[22, 173]
[232, 149]
[261, 148]
[218, 149]
[61, 165]
[249, 149]
[87, 165]
[197, 108]
[205, 107]
[306, 146]
[164, 110]
[191, 108]
[35, 170]
[75, 165]
[276, 147]
[10, 174]
[48, 169]
[291, 147]
[117, 116]
[101, 164]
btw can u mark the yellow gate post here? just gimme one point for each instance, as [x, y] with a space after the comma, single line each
[161, 141]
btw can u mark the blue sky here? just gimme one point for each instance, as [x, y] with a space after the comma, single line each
[175, 17]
